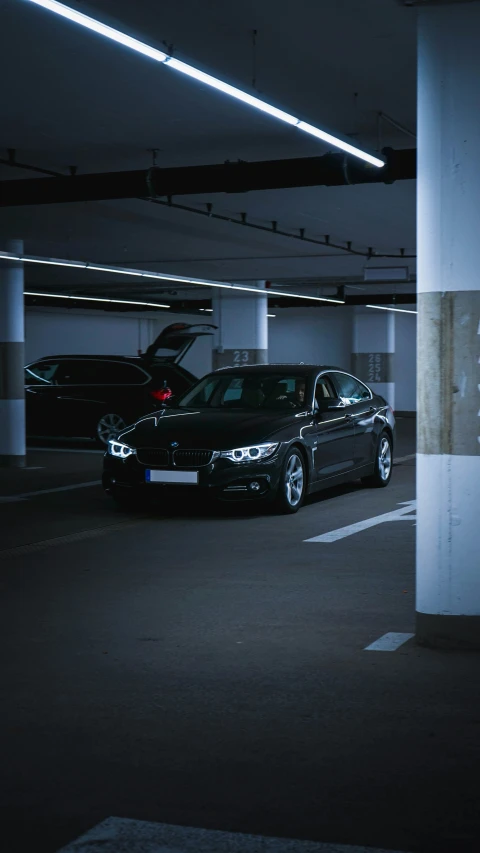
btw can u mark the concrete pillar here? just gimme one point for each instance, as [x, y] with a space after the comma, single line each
[448, 271]
[374, 350]
[242, 336]
[12, 336]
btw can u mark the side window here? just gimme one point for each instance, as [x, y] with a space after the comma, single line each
[76, 372]
[174, 379]
[116, 373]
[324, 390]
[349, 389]
[41, 373]
[233, 392]
[98, 372]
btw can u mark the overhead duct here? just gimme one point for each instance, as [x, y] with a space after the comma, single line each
[239, 177]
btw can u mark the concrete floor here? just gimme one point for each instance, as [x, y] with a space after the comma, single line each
[208, 669]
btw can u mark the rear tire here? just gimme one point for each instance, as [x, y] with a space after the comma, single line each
[383, 464]
[293, 483]
[108, 426]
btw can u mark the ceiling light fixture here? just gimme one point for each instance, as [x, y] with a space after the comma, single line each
[54, 263]
[93, 299]
[60, 262]
[202, 77]
[387, 308]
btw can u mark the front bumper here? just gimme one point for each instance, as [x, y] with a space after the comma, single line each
[222, 479]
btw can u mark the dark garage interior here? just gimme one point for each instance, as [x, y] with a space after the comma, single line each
[239, 426]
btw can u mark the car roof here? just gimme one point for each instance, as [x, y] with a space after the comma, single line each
[134, 359]
[306, 369]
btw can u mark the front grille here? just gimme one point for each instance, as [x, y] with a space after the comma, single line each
[192, 458]
[155, 456]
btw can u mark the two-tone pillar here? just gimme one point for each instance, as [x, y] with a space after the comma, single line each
[12, 393]
[242, 321]
[374, 351]
[448, 271]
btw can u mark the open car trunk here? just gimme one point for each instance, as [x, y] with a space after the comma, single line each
[175, 340]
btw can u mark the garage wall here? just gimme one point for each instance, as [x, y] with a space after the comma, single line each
[311, 335]
[56, 331]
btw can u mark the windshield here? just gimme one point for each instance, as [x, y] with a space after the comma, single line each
[247, 391]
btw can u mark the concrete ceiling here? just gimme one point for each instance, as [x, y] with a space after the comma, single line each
[73, 98]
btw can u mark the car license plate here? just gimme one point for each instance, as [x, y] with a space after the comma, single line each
[188, 478]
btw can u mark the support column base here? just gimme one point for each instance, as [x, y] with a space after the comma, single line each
[10, 461]
[460, 633]
[239, 358]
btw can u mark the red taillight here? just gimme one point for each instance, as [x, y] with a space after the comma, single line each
[161, 395]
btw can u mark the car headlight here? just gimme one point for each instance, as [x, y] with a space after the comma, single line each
[250, 454]
[121, 451]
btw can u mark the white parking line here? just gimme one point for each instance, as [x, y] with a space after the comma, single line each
[341, 532]
[389, 642]
[116, 834]
[6, 499]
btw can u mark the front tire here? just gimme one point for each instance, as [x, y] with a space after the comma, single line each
[293, 483]
[383, 464]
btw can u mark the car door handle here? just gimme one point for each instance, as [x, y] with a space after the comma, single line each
[348, 417]
[371, 409]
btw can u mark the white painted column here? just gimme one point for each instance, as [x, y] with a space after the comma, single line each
[242, 336]
[448, 271]
[12, 336]
[373, 351]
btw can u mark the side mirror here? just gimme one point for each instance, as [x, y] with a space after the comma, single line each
[328, 404]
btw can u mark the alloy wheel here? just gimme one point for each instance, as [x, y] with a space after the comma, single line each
[384, 459]
[109, 426]
[294, 480]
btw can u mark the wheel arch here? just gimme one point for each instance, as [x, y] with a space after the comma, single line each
[297, 445]
[388, 429]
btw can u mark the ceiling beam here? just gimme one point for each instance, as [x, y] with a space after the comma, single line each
[238, 177]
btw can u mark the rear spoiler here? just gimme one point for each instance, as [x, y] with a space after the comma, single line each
[177, 339]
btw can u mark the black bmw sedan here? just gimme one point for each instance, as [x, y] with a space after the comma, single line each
[269, 432]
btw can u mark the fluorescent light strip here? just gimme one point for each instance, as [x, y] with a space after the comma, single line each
[387, 308]
[93, 299]
[211, 309]
[60, 262]
[79, 265]
[202, 77]
[113, 269]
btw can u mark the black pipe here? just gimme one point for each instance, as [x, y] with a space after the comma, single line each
[239, 177]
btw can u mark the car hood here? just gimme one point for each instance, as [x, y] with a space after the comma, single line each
[213, 430]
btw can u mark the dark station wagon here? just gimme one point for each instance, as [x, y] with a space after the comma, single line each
[97, 396]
